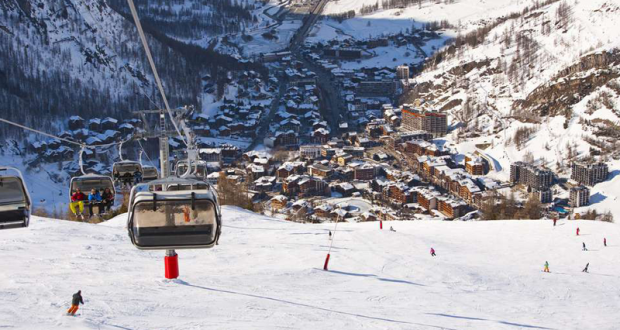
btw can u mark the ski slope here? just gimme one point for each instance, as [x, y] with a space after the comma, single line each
[267, 274]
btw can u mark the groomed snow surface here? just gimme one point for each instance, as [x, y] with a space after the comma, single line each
[267, 274]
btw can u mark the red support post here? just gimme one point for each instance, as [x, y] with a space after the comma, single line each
[380, 224]
[171, 262]
[326, 262]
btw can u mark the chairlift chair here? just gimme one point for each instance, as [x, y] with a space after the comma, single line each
[174, 213]
[15, 200]
[88, 182]
[126, 169]
[149, 173]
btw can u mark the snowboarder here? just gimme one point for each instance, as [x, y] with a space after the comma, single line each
[546, 267]
[604, 241]
[554, 221]
[577, 231]
[75, 303]
[433, 253]
[584, 246]
[585, 270]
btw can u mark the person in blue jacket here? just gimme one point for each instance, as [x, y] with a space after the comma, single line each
[94, 199]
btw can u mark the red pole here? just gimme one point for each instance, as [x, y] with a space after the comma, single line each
[326, 262]
[171, 263]
[380, 224]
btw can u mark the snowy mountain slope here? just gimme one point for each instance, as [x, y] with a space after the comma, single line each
[65, 56]
[267, 274]
[464, 15]
[553, 70]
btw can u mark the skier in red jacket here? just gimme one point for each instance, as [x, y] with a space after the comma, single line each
[433, 252]
[577, 231]
[77, 202]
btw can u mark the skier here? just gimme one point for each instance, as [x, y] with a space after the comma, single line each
[585, 270]
[433, 253]
[137, 176]
[75, 303]
[546, 267]
[330, 234]
[554, 221]
[584, 246]
[604, 241]
[108, 200]
[577, 231]
[392, 229]
[77, 203]
[94, 199]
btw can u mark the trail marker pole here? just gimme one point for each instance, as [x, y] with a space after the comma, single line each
[380, 224]
[330, 245]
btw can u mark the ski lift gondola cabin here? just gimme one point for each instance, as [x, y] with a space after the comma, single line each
[184, 216]
[15, 200]
[88, 182]
[126, 170]
[149, 173]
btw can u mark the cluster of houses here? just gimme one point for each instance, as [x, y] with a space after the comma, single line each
[298, 120]
[237, 117]
[89, 132]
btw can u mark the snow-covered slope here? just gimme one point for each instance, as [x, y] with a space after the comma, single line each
[464, 15]
[553, 70]
[267, 274]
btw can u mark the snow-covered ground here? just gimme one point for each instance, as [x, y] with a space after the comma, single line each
[464, 14]
[267, 274]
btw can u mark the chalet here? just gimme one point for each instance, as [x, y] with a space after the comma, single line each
[357, 152]
[255, 171]
[367, 216]
[94, 124]
[109, 123]
[80, 134]
[264, 183]
[364, 172]
[289, 168]
[286, 139]
[344, 159]
[451, 207]
[345, 189]
[310, 186]
[427, 198]
[229, 151]
[211, 155]
[320, 136]
[319, 170]
[290, 185]
[127, 128]
[76, 122]
[323, 211]
[290, 125]
[279, 202]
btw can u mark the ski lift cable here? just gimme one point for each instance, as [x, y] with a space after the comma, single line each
[109, 44]
[136, 19]
[80, 144]
[146, 154]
